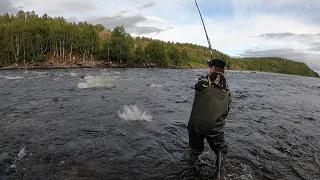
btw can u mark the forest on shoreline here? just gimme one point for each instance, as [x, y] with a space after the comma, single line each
[28, 40]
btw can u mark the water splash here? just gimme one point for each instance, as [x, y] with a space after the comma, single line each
[97, 81]
[22, 153]
[133, 113]
[73, 74]
[13, 168]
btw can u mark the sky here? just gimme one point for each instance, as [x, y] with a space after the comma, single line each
[240, 28]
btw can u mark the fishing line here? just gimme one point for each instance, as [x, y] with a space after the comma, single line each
[205, 30]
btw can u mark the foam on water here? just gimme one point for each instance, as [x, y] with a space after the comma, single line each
[97, 81]
[39, 73]
[15, 166]
[156, 85]
[74, 74]
[133, 113]
[11, 78]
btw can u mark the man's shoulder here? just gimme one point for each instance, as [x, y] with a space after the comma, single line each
[202, 83]
[203, 77]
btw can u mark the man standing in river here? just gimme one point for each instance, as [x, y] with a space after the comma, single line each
[209, 110]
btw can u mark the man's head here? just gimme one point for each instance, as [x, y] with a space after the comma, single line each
[217, 65]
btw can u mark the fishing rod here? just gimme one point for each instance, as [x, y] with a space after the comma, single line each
[205, 30]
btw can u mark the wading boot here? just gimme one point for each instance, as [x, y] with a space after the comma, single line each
[219, 174]
[194, 154]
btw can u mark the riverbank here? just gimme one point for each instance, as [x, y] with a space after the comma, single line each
[65, 64]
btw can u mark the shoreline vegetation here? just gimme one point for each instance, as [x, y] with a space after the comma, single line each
[29, 41]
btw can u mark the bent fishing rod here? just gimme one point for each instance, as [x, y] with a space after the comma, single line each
[205, 30]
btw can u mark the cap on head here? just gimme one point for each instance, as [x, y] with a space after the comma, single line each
[217, 63]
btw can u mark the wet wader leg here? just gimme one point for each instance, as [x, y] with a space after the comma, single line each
[220, 172]
[196, 143]
[218, 145]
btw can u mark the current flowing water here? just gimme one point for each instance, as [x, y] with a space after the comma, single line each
[132, 124]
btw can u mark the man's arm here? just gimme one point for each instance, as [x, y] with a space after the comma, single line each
[229, 98]
[201, 84]
[229, 101]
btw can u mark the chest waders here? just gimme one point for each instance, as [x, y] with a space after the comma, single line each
[207, 120]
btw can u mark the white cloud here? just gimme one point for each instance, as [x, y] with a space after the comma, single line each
[131, 23]
[56, 7]
[148, 5]
[7, 6]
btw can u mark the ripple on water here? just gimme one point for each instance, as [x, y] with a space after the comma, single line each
[86, 132]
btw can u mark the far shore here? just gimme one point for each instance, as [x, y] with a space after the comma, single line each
[65, 64]
[104, 66]
[61, 64]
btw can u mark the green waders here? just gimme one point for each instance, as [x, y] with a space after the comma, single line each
[207, 120]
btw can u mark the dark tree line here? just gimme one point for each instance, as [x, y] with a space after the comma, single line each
[26, 37]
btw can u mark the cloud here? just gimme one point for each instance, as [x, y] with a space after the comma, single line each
[275, 36]
[56, 7]
[77, 6]
[315, 46]
[72, 19]
[147, 30]
[6, 6]
[119, 20]
[311, 41]
[149, 5]
[130, 23]
[124, 12]
[304, 10]
[283, 53]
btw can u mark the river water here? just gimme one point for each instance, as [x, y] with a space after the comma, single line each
[132, 124]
